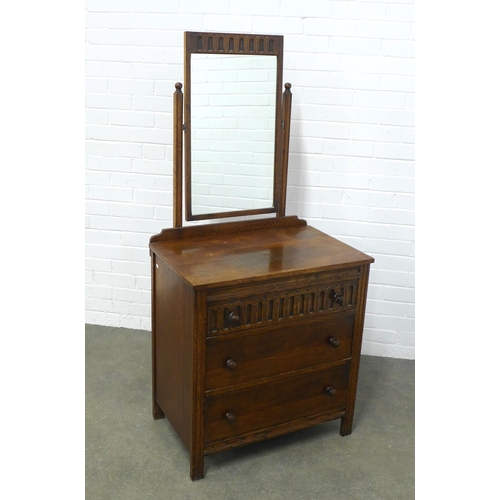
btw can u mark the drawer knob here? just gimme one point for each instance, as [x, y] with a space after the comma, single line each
[330, 391]
[229, 417]
[333, 342]
[231, 364]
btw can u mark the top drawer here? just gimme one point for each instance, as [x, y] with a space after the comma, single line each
[232, 310]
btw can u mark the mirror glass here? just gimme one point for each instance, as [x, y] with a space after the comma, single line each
[232, 132]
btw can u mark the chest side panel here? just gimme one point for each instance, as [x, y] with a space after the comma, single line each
[174, 348]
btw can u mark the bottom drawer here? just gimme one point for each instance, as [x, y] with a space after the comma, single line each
[258, 408]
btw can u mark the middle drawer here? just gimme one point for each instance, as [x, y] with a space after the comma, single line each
[277, 349]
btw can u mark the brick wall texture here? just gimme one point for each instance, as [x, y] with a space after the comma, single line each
[351, 166]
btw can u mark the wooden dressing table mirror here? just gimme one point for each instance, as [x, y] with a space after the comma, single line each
[256, 323]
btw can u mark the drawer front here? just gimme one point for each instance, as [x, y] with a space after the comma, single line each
[258, 408]
[237, 311]
[278, 349]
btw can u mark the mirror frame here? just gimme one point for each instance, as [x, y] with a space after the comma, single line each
[243, 44]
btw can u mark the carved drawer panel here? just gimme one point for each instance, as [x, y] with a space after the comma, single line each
[227, 316]
[277, 349]
[258, 408]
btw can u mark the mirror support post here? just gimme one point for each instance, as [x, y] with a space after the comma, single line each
[287, 113]
[177, 155]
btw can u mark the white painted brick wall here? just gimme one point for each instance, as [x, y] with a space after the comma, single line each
[351, 169]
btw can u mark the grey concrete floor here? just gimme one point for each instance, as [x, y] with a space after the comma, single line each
[130, 456]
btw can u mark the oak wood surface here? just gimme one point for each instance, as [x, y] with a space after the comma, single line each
[295, 300]
[282, 176]
[157, 411]
[197, 451]
[347, 421]
[174, 350]
[273, 431]
[274, 403]
[226, 385]
[280, 284]
[177, 155]
[222, 228]
[248, 256]
[275, 350]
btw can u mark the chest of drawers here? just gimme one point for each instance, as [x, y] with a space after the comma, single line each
[257, 330]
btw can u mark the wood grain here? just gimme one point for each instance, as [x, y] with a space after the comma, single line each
[266, 352]
[275, 403]
[248, 256]
[177, 156]
[285, 146]
[347, 421]
[174, 349]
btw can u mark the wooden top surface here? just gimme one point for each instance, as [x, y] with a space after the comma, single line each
[255, 254]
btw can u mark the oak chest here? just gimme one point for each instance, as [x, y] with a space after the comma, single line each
[257, 330]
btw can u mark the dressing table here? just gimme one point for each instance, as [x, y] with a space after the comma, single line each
[256, 323]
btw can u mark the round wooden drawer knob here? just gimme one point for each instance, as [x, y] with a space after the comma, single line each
[334, 342]
[330, 391]
[231, 364]
[229, 417]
